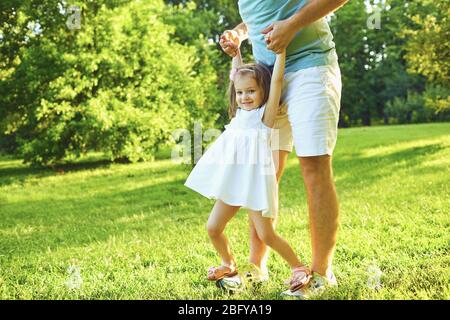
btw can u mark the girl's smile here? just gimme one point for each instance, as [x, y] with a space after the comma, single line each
[248, 94]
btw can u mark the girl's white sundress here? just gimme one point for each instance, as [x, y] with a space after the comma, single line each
[238, 167]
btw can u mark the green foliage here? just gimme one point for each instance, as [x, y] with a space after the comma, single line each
[409, 110]
[193, 27]
[119, 84]
[419, 107]
[225, 11]
[349, 30]
[437, 98]
[371, 59]
[428, 51]
[428, 48]
[135, 71]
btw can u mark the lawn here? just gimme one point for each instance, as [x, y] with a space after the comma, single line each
[99, 230]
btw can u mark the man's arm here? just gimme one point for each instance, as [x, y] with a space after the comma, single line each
[281, 33]
[313, 11]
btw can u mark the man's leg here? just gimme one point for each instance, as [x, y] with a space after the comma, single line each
[259, 252]
[323, 210]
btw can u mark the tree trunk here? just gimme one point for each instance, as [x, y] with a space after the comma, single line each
[366, 119]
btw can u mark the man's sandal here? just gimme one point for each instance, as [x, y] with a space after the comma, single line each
[300, 278]
[220, 272]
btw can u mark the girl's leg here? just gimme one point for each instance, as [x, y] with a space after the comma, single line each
[218, 219]
[259, 252]
[267, 234]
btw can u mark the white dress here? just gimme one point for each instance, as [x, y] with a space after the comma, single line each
[238, 167]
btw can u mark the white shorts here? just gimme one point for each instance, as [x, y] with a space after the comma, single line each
[309, 112]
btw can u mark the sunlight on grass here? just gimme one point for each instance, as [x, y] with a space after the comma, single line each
[405, 146]
[99, 230]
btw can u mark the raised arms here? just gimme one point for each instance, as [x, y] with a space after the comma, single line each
[276, 85]
[231, 40]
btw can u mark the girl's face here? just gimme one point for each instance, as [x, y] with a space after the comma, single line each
[248, 94]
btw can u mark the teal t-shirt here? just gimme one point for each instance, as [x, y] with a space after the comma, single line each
[312, 46]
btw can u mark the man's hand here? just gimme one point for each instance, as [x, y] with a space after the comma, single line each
[230, 42]
[279, 35]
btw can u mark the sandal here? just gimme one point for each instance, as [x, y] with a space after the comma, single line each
[220, 272]
[300, 278]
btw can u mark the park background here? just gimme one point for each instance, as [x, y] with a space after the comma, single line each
[92, 207]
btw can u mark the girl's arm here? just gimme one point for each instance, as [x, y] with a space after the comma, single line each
[236, 62]
[275, 90]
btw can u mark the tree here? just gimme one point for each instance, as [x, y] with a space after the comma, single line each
[371, 55]
[428, 49]
[350, 34]
[119, 84]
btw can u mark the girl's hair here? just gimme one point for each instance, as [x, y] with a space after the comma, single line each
[262, 76]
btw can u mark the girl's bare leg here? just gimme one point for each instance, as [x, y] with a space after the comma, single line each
[259, 252]
[267, 234]
[218, 219]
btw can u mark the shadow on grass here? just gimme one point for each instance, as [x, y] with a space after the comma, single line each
[80, 221]
[357, 169]
[370, 169]
[13, 174]
[30, 226]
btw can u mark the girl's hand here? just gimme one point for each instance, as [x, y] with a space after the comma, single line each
[279, 35]
[230, 42]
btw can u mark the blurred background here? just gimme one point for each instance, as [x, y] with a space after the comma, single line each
[118, 77]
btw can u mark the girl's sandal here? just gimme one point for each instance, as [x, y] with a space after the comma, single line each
[220, 272]
[300, 278]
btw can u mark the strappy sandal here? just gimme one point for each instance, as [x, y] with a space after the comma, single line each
[300, 277]
[220, 272]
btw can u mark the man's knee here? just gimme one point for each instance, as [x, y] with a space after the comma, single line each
[316, 170]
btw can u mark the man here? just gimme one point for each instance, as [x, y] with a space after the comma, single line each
[312, 95]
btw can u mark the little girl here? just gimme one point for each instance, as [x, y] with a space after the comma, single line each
[238, 170]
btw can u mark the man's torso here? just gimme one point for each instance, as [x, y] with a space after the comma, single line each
[312, 46]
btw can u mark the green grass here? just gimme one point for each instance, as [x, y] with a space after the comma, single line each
[133, 231]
